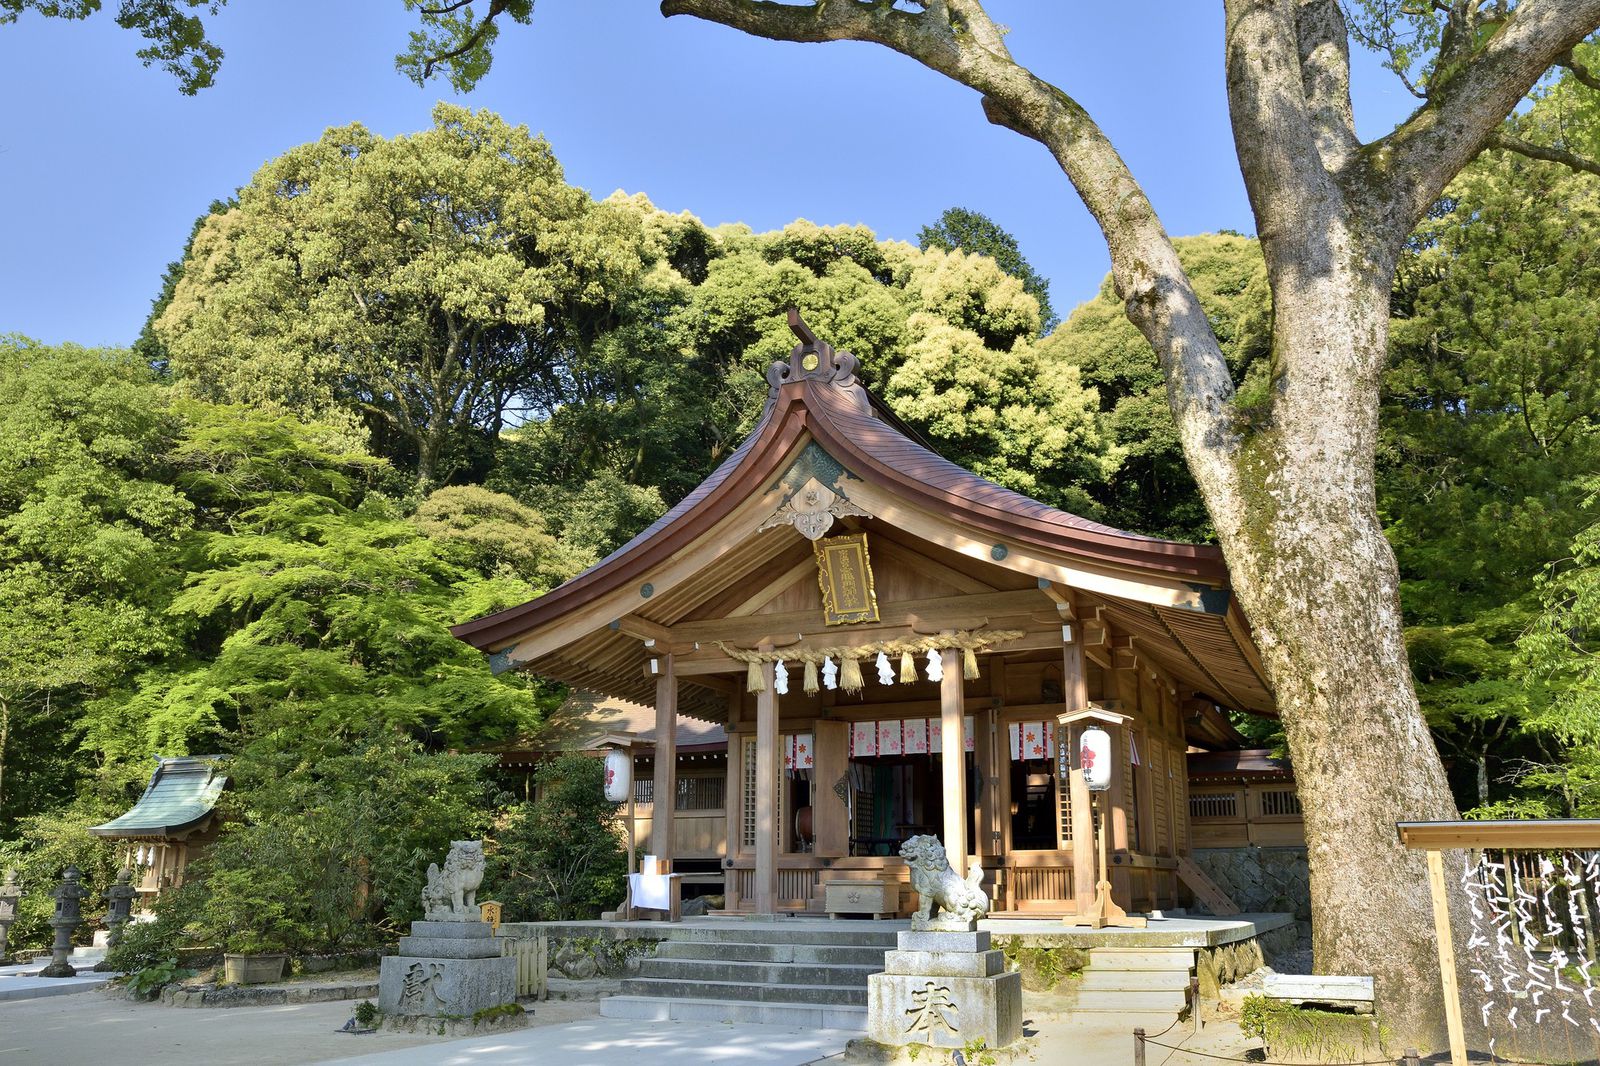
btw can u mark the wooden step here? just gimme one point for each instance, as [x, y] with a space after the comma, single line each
[1205, 890]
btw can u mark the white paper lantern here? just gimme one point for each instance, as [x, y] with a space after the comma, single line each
[619, 775]
[1094, 757]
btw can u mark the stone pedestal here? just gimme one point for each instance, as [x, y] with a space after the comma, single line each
[944, 990]
[446, 969]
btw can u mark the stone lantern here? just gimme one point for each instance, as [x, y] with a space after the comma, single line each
[119, 900]
[10, 892]
[68, 916]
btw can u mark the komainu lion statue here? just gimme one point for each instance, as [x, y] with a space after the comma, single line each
[939, 889]
[452, 893]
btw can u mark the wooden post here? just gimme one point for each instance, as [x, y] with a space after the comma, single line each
[954, 761]
[666, 779]
[1447, 958]
[1083, 867]
[767, 767]
[1138, 1046]
[633, 866]
[830, 813]
[1075, 694]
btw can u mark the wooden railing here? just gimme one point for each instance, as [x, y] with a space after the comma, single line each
[1035, 884]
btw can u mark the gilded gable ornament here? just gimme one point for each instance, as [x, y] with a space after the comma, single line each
[811, 509]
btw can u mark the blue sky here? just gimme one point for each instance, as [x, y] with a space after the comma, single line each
[104, 164]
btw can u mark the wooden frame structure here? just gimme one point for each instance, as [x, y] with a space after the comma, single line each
[696, 613]
[1435, 838]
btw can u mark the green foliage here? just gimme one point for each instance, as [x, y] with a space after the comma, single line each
[90, 526]
[146, 981]
[178, 41]
[366, 1013]
[977, 1052]
[151, 944]
[1042, 966]
[561, 857]
[978, 234]
[504, 1010]
[454, 41]
[417, 282]
[1151, 490]
[1491, 412]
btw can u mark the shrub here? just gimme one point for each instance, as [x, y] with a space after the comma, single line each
[561, 857]
[147, 944]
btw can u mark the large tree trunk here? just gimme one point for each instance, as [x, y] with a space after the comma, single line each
[1316, 575]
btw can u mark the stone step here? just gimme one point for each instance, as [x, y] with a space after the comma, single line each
[809, 995]
[824, 954]
[792, 973]
[1134, 980]
[798, 1015]
[1141, 959]
[1104, 1001]
[736, 933]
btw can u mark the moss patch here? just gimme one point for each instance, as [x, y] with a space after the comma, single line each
[1043, 968]
[1301, 1034]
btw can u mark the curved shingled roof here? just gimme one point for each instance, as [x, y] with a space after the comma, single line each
[816, 393]
[181, 796]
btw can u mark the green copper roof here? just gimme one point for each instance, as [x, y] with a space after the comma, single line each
[180, 796]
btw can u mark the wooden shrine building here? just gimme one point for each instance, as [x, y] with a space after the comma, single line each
[887, 640]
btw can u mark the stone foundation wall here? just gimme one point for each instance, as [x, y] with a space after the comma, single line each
[583, 951]
[1262, 881]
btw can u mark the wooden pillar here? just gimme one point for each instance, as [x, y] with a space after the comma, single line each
[1075, 694]
[830, 813]
[952, 709]
[1120, 797]
[767, 767]
[1083, 857]
[666, 780]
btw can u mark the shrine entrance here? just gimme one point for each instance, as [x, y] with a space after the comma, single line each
[889, 641]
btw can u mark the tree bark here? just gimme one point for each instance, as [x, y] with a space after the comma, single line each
[1316, 576]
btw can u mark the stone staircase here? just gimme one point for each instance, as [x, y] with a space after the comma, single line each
[807, 976]
[1135, 980]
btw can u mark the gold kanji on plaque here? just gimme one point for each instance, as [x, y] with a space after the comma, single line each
[845, 573]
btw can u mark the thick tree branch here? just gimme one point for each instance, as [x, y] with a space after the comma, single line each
[1410, 167]
[956, 38]
[1507, 142]
[475, 38]
[1325, 77]
[1581, 73]
[1272, 119]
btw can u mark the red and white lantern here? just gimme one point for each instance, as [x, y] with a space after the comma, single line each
[619, 775]
[1094, 758]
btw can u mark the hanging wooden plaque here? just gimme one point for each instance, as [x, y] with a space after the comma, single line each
[845, 573]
